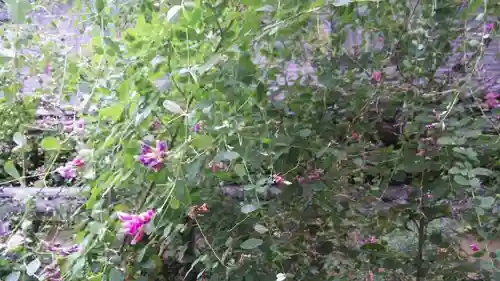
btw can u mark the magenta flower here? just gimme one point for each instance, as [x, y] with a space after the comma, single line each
[77, 162]
[489, 27]
[491, 100]
[67, 171]
[371, 240]
[196, 127]
[153, 157]
[376, 76]
[133, 225]
[474, 247]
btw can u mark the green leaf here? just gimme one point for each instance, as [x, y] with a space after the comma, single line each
[32, 267]
[480, 172]
[163, 83]
[10, 169]
[436, 212]
[240, 170]
[202, 141]
[51, 143]
[305, 133]
[112, 112]
[248, 208]
[445, 141]
[266, 8]
[173, 13]
[173, 107]
[461, 180]
[19, 139]
[6, 55]
[475, 182]
[78, 266]
[13, 276]
[99, 6]
[487, 202]
[175, 204]
[231, 155]
[115, 275]
[251, 244]
[18, 9]
[260, 228]
[472, 133]
[373, 246]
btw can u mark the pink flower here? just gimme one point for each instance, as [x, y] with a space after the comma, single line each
[196, 127]
[371, 240]
[354, 136]
[474, 247]
[47, 69]
[278, 179]
[133, 225]
[491, 100]
[77, 162]
[195, 211]
[77, 126]
[153, 157]
[489, 27]
[67, 171]
[376, 76]
[217, 167]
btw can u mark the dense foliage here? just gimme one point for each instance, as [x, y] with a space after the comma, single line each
[264, 140]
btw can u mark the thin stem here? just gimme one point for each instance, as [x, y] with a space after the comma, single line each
[421, 243]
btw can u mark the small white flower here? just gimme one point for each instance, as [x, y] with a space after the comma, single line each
[280, 277]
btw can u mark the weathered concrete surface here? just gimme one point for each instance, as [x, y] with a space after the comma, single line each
[46, 201]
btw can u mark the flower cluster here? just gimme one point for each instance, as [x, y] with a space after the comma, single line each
[311, 176]
[133, 225]
[296, 73]
[370, 240]
[217, 166]
[376, 76]
[489, 27]
[197, 127]
[153, 157]
[474, 247]
[74, 126]
[491, 100]
[63, 251]
[278, 179]
[293, 75]
[195, 211]
[52, 272]
[68, 171]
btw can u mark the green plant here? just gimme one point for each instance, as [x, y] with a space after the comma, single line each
[263, 140]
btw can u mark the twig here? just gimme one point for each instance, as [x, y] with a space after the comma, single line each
[421, 242]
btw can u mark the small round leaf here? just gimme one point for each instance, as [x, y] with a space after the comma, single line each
[251, 243]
